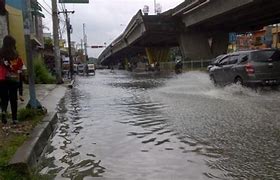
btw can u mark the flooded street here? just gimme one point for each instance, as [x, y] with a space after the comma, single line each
[121, 125]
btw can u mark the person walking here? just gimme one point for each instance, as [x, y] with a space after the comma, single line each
[10, 66]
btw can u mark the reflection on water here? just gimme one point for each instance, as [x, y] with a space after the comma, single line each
[62, 158]
[145, 126]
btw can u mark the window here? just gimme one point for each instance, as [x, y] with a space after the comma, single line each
[3, 11]
[263, 56]
[224, 61]
[244, 58]
[233, 59]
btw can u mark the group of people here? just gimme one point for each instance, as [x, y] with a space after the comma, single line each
[10, 78]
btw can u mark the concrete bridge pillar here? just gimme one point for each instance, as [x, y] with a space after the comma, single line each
[157, 54]
[198, 45]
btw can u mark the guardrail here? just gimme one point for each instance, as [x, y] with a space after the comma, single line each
[187, 65]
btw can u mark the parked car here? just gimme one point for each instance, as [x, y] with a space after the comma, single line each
[251, 68]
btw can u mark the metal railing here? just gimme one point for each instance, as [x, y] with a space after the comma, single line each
[187, 65]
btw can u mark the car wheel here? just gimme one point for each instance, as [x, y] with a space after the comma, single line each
[238, 81]
[212, 78]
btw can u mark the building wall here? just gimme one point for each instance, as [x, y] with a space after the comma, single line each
[16, 29]
[258, 39]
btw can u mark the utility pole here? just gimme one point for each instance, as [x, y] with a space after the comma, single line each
[82, 44]
[85, 41]
[33, 102]
[155, 4]
[68, 27]
[56, 42]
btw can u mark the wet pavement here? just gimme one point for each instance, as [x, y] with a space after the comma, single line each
[134, 126]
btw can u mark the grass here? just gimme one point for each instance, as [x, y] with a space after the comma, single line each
[9, 174]
[13, 138]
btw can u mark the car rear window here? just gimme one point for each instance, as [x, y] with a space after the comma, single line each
[264, 56]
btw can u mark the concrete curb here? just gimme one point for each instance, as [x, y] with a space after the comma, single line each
[28, 155]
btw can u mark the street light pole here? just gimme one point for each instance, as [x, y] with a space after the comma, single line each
[85, 41]
[33, 102]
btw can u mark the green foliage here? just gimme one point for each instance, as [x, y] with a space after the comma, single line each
[42, 75]
[9, 149]
[48, 42]
[9, 174]
[29, 113]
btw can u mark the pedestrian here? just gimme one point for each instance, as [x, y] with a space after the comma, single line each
[10, 65]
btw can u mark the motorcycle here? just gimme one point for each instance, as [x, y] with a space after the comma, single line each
[178, 67]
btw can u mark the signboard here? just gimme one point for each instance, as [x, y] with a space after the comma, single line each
[232, 37]
[73, 1]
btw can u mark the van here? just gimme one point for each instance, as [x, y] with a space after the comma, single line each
[81, 69]
[91, 69]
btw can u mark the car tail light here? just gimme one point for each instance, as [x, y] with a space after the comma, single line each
[249, 68]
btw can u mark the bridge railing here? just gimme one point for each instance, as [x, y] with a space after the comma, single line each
[187, 65]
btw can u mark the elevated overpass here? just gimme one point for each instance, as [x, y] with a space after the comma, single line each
[199, 27]
[143, 31]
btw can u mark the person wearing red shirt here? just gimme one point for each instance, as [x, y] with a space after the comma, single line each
[10, 66]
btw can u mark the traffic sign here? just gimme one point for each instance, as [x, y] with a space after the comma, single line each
[97, 46]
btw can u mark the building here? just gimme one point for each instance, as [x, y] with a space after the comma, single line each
[260, 39]
[243, 41]
[13, 21]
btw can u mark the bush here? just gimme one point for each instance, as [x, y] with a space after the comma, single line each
[42, 75]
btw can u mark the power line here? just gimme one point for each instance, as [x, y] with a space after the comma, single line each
[47, 4]
[45, 9]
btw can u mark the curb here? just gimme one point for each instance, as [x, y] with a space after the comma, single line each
[28, 154]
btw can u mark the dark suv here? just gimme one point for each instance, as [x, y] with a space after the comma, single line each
[254, 67]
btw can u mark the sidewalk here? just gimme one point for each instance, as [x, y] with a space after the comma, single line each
[48, 95]
[28, 154]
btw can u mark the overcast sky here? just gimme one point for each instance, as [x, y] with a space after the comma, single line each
[104, 19]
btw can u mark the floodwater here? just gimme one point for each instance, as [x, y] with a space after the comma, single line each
[140, 126]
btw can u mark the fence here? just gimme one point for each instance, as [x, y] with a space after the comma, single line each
[187, 65]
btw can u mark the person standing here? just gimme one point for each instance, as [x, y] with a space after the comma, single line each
[11, 64]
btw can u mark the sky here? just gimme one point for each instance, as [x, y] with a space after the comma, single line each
[104, 20]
